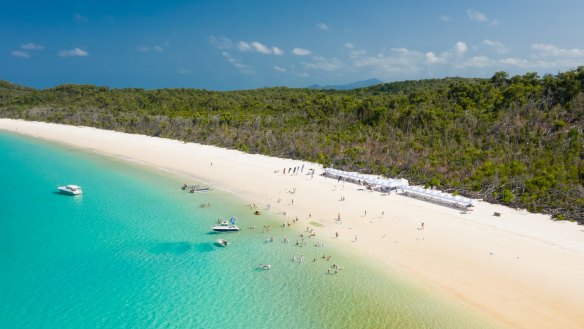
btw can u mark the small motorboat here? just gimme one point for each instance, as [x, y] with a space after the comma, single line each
[223, 242]
[225, 227]
[70, 189]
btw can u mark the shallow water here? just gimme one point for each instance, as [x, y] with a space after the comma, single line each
[135, 251]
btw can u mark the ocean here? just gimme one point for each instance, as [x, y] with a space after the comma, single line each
[136, 251]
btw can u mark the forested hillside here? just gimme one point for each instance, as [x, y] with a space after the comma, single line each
[512, 140]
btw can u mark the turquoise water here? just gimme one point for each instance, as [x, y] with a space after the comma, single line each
[134, 251]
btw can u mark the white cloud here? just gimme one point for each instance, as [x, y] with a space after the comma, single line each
[243, 46]
[431, 58]
[461, 48]
[20, 54]
[445, 18]
[494, 23]
[75, 52]
[229, 58]
[349, 45]
[515, 62]
[459, 59]
[279, 69]
[300, 52]
[260, 48]
[549, 50]
[322, 27]
[404, 62]
[477, 16]
[499, 47]
[357, 53]
[398, 61]
[31, 46]
[320, 63]
[477, 62]
[277, 51]
[221, 42]
[145, 49]
[183, 71]
[236, 63]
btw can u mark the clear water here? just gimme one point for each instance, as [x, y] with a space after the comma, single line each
[135, 251]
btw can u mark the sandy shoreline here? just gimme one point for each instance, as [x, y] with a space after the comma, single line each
[519, 270]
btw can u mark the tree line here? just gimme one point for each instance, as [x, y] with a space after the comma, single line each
[511, 140]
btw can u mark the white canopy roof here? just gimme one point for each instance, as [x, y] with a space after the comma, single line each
[369, 179]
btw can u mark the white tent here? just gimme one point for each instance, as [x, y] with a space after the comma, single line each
[437, 196]
[384, 183]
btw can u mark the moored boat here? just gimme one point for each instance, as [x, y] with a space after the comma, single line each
[70, 189]
[226, 226]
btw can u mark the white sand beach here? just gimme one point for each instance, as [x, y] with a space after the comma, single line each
[519, 270]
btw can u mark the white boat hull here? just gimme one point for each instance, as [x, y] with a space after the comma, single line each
[229, 228]
[70, 190]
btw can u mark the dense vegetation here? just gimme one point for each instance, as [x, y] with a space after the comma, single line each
[512, 140]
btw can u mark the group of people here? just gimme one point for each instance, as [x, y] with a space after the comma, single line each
[293, 170]
[300, 260]
[334, 269]
[310, 231]
[265, 266]
[300, 243]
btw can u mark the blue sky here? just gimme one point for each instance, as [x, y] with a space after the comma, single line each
[226, 45]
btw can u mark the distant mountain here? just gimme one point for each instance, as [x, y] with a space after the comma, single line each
[353, 85]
